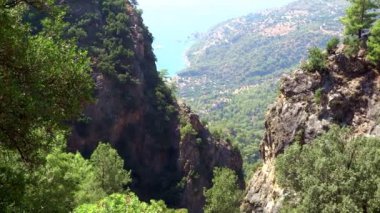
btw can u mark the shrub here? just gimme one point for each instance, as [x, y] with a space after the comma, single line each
[186, 130]
[332, 45]
[352, 46]
[316, 60]
[318, 95]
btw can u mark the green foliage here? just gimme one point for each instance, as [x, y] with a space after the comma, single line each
[374, 44]
[318, 95]
[129, 203]
[316, 60]
[62, 182]
[187, 130]
[65, 181]
[45, 80]
[224, 196]
[13, 181]
[109, 169]
[332, 44]
[352, 45]
[359, 16]
[335, 173]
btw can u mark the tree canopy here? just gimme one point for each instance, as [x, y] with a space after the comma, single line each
[45, 80]
[374, 44]
[109, 169]
[360, 15]
[335, 173]
[224, 196]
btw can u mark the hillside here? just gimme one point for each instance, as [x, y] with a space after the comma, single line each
[242, 57]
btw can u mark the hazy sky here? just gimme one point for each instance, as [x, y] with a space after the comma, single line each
[173, 21]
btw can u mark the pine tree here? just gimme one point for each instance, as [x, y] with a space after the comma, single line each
[374, 44]
[109, 169]
[224, 195]
[360, 15]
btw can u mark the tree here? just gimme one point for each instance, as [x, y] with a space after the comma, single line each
[44, 81]
[374, 44]
[65, 181]
[109, 169]
[224, 196]
[335, 173]
[359, 16]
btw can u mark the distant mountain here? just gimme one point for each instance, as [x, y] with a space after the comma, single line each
[241, 57]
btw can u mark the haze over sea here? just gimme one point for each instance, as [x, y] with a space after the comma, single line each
[173, 22]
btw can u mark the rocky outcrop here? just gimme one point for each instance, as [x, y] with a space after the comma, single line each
[135, 111]
[200, 153]
[346, 93]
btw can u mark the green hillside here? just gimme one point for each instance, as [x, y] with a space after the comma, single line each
[234, 68]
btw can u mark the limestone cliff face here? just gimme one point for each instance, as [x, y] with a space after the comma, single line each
[349, 95]
[135, 111]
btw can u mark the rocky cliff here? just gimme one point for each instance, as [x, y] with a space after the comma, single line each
[136, 112]
[200, 152]
[346, 93]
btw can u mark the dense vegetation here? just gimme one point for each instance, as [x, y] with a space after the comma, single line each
[44, 81]
[335, 173]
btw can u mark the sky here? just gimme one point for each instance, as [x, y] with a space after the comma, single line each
[172, 22]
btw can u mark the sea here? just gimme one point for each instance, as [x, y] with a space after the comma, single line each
[175, 23]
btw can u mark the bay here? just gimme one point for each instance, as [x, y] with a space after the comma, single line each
[174, 23]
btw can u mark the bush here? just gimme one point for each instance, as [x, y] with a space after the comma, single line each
[187, 130]
[332, 45]
[334, 173]
[316, 60]
[374, 44]
[318, 95]
[352, 46]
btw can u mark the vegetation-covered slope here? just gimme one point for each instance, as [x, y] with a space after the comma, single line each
[234, 68]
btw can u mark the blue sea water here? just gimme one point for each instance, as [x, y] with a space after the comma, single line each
[173, 22]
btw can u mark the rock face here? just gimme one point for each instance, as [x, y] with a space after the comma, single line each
[200, 152]
[135, 111]
[346, 93]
